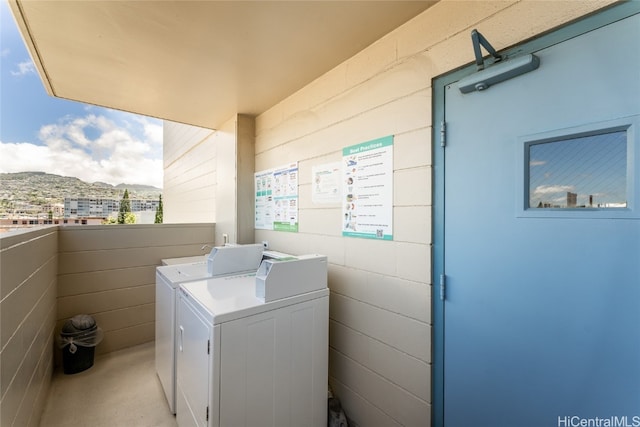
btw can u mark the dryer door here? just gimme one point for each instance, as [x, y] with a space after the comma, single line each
[193, 366]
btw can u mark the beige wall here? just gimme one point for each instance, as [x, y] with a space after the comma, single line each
[245, 168]
[50, 274]
[208, 176]
[380, 315]
[234, 197]
[189, 164]
[28, 265]
[109, 272]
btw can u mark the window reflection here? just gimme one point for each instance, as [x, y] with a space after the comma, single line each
[582, 172]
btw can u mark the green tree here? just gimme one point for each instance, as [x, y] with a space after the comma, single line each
[129, 218]
[125, 208]
[158, 219]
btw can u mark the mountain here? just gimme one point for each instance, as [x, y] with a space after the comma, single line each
[136, 187]
[101, 184]
[33, 192]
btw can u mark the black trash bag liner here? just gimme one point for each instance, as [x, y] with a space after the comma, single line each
[337, 418]
[80, 330]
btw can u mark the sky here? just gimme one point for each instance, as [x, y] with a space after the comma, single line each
[45, 134]
[593, 165]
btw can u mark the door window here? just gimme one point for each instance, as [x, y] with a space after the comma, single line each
[584, 172]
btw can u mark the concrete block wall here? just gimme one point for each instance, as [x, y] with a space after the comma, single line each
[28, 285]
[189, 164]
[234, 190]
[108, 272]
[208, 177]
[380, 317]
[50, 274]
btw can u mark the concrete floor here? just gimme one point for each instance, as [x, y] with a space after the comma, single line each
[120, 389]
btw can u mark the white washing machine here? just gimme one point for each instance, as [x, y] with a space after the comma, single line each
[197, 259]
[253, 348]
[223, 260]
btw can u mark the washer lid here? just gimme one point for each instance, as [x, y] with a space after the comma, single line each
[228, 298]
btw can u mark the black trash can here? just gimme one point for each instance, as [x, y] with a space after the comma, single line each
[78, 339]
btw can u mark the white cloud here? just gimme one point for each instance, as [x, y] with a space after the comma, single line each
[5, 53]
[551, 189]
[92, 148]
[537, 163]
[26, 67]
[546, 189]
[20, 157]
[152, 130]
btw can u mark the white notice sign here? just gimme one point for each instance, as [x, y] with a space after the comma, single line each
[325, 183]
[276, 195]
[368, 189]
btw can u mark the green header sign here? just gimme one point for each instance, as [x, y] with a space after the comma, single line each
[367, 195]
[367, 146]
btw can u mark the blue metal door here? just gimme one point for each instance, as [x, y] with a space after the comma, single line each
[542, 240]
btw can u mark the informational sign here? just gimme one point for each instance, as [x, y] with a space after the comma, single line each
[276, 192]
[325, 183]
[264, 200]
[367, 195]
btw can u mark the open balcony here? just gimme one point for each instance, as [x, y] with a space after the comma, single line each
[50, 274]
[247, 87]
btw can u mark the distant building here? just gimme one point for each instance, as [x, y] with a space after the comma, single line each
[11, 224]
[84, 207]
[572, 199]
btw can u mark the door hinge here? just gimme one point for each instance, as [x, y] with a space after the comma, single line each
[207, 413]
[208, 346]
[443, 134]
[443, 286]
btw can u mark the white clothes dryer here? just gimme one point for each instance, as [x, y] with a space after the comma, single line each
[223, 260]
[245, 359]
